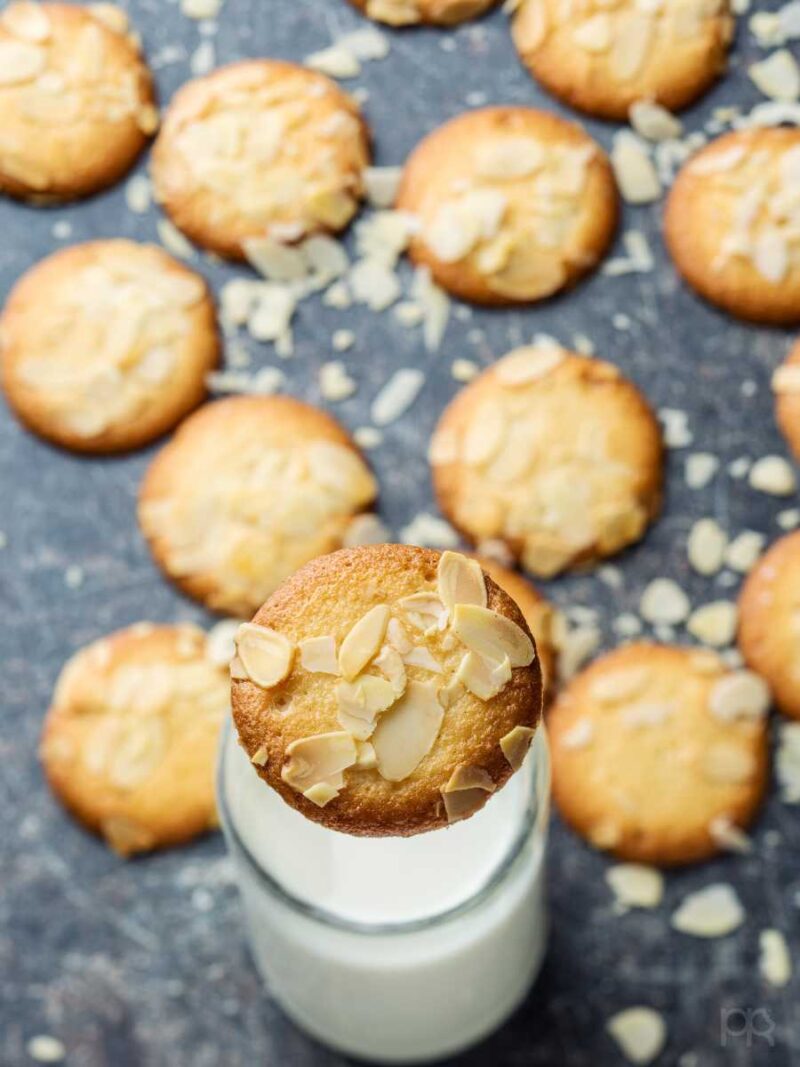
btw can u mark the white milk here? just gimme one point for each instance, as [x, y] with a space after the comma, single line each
[392, 949]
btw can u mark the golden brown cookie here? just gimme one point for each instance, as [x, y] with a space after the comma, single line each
[657, 749]
[76, 100]
[769, 621]
[387, 690]
[106, 345]
[786, 387]
[512, 204]
[130, 741]
[260, 148]
[601, 58]
[538, 612]
[432, 12]
[248, 490]
[732, 223]
[556, 455]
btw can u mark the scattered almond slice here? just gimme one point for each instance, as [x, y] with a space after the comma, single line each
[460, 581]
[406, 734]
[483, 678]
[515, 745]
[640, 1033]
[777, 76]
[314, 760]
[492, 635]
[635, 885]
[264, 654]
[318, 655]
[774, 961]
[654, 122]
[711, 912]
[634, 170]
[382, 184]
[773, 475]
[363, 641]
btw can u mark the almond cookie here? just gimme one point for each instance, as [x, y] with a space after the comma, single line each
[432, 12]
[769, 621]
[260, 148]
[554, 454]
[106, 345]
[512, 204]
[786, 387]
[603, 57]
[129, 743]
[387, 690]
[538, 612]
[657, 750]
[248, 490]
[732, 224]
[76, 100]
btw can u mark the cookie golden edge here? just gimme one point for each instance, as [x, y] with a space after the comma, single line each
[427, 811]
[648, 848]
[465, 283]
[787, 405]
[197, 818]
[161, 417]
[756, 637]
[436, 12]
[159, 476]
[113, 161]
[180, 209]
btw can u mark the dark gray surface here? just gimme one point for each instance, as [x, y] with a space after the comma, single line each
[145, 963]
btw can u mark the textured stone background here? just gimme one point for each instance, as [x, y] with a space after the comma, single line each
[145, 963]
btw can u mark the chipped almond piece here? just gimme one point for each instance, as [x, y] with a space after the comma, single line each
[460, 581]
[321, 794]
[366, 760]
[492, 636]
[515, 745]
[361, 701]
[663, 601]
[635, 885]
[741, 695]
[641, 1033]
[363, 641]
[775, 960]
[711, 912]
[390, 663]
[265, 654]
[634, 170]
[468, 777]
[406, 734]
[260, 757]
[706, 546]
[483, 677]
[463, 803]
[312, 760]
[318, 655]
[653, 121]
[714, 624]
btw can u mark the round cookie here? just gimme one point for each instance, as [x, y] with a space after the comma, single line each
[786, 386]
[76, 100]
[769, 621]
[260, 148]
[513, 204]
[732, 223]
[601, 58]
[130, 740]
[657, 750]
[431, 12]
[554, 454]
[386, 690]
[248, 490]
[537, 611]
[106, 345]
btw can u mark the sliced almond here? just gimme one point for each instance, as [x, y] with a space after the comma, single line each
[361, 701]
[620, 685]
[468, 777]
[27, 21]
[265, 654]
[390, 663]
[728, 763]
[321, 794]
[316, 759]
[525, 365]
[460, 581]
[406, 733]
[740, 695]
[424, 610]
[483, 678]
[420, 656]
[397, 637]
[363, 641]
[515, 745]
[20, 62]
[366, 759]
[492, 635]
[260, 756]
[318, 655]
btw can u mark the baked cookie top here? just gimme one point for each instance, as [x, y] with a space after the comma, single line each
[786, 387]
[603, 57]
[769, 621]
[732, 223]
[130, 740]
[657, 750]
[259, 148]
[557, 455]
[106, 345]
[411, 12]
[76, 99]
[512, 204]
[248, 490]
[386, 690]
